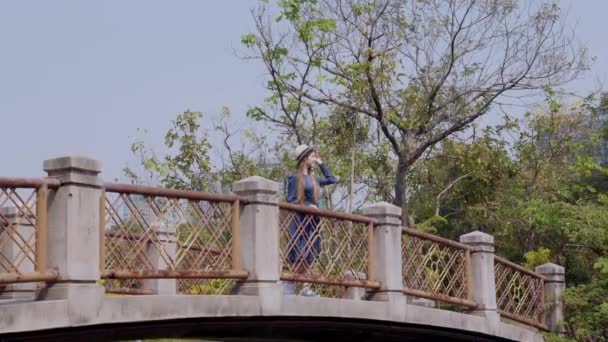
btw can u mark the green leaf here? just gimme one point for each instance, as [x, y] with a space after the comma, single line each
[248, 40]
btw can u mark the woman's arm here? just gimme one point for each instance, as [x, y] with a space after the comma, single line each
[292, 183]
[327, 178]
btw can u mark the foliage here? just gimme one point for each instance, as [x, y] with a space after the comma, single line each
[537, 257]
[417, 71]
[542, 195]
[391, 91]
[587, 308]
[189, 166]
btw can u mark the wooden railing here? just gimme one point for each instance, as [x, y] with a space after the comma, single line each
[328, 249]
[156, 233]
[23, 230]
[519, 293]
[436, 268]
[194, 237]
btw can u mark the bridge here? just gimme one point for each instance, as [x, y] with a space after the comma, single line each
[108, 261]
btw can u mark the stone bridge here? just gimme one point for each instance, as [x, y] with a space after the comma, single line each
[80, 258]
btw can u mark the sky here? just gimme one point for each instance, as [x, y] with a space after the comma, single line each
[84, 77]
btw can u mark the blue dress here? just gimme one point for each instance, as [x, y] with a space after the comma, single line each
[305, 242]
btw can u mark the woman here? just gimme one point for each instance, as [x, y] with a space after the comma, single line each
[303, 188]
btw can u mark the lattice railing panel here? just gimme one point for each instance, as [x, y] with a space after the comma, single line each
[194, 257]
[323, 251]
[518, 293]
[118, 248]
[150, 233]
[18, 227]
[436, 270]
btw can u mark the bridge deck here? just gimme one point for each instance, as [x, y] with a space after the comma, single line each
[118, 317]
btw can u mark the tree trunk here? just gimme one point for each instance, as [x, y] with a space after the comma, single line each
[403, 168]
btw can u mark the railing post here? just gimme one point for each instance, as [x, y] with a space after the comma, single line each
[73, 233]
[482, 269]
[259, 237]
[162, 253]
[554, 295]
[387, 251]
[354, 293]
[17, 248]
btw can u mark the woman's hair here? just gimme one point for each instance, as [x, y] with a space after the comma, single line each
[301, 180]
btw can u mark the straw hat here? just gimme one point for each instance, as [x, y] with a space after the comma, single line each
[302, 152]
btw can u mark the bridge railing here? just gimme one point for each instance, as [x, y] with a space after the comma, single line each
[23, 230]
[146, 240]
[328, 249]
[436, 268]
[158, 233]
[519, 293]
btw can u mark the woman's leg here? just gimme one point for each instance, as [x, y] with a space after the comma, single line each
[304, 247]
[313, 250]
[295, 250]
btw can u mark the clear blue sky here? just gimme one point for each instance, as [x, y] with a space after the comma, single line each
[80, 77]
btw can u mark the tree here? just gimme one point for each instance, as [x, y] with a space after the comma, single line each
[458, 189]
[189, 167]
[419, 71]
[543, 196]
[187, 161]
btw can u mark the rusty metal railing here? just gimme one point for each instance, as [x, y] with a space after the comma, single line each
[519, 293]
[436, 268]
[157, 233]
[23, 230]
[327, 249]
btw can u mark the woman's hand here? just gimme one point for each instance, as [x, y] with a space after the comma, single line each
[314, 206]
[317, 159]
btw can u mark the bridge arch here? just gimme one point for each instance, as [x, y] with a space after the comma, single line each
[242, 317]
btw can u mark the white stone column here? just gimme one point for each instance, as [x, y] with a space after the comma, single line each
[165, 249]
[352, 292]
[387, 251]
[259, 240]
[555, 285]
[16, 248]
[73, 234]
[482, 264]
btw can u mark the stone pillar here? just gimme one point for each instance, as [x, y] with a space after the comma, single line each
[259, 239]
[159, 252]
[16, 247]
[555, 286]
[354, 293]
[387, 251]
[482, 264]
[73, 234]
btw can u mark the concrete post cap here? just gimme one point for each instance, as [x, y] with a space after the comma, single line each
[81, 163]
[550, 268]
[382, 209]
[354, 275]
[551, 272]
[477, 238]
[76, 170]
[255, 184]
